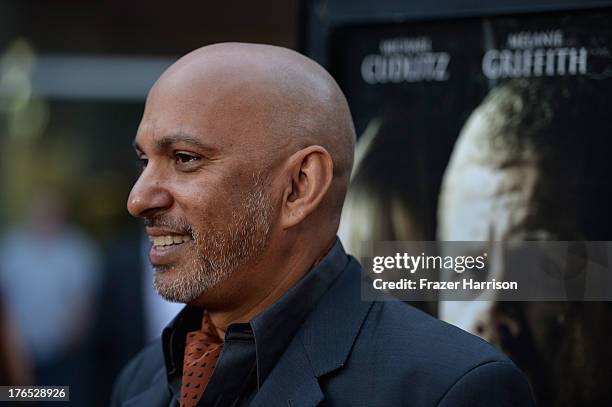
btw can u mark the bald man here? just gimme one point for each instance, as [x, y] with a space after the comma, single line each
[246, 152]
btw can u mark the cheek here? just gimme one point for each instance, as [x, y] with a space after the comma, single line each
[200, 201]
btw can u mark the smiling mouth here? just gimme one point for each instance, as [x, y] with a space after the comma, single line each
[169, 240]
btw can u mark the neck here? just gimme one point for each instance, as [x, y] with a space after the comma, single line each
[249, 292]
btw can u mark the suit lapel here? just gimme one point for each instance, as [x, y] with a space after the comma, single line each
[321, 346]
[291, 383]
[155, 395]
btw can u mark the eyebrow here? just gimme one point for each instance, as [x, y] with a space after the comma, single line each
[164, 143]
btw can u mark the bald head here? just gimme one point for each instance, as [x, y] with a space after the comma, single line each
[275, 100]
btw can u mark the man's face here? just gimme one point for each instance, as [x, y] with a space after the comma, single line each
[202, 193]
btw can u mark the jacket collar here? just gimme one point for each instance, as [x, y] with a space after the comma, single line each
[321, 346]
[275, 327]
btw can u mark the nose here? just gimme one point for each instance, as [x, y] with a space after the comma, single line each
[148, 195]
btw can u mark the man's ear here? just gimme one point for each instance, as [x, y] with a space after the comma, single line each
[309, 176]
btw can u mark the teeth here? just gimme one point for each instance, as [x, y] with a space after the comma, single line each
[169, 240]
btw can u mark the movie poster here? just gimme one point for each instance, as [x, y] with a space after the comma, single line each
[491, 129]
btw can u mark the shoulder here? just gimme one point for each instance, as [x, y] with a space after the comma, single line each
[398, 322]
[497, 383]
[438, 362]
[138, 375]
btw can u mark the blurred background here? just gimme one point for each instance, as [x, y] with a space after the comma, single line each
[76, 299]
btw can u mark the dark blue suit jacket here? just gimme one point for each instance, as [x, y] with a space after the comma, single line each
[355, 353]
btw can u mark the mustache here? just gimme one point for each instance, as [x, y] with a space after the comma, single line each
[166, 222]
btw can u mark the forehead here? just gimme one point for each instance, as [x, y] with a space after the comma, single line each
[222, 115]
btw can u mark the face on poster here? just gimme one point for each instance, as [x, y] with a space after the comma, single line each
[486, 130]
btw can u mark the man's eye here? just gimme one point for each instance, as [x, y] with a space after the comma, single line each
[184, 158]
[142, 162]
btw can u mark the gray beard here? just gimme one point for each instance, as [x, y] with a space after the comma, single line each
[214, 256]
